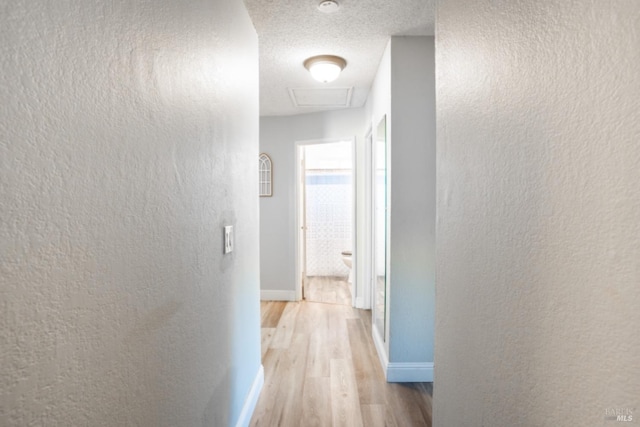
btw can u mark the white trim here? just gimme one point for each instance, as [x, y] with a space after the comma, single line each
[360, 303]
[367, 280]
[401, 372]
[380, 348]
[354, 224]
[410, 372]
[266, 295]
[297, 222]
[252, 399]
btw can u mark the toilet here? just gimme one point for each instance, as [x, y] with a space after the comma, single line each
[346, 258]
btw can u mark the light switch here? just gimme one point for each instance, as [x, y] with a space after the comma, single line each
[228, 239]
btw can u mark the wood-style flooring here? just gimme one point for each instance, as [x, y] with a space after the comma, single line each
[331, 290]
[322, 369]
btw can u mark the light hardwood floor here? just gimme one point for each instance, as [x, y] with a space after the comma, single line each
[321, 369]
[331, 290]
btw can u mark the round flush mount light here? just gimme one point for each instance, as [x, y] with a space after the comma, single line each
[325, 68]
[328, 6]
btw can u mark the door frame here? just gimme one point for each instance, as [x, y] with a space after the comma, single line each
[368, 239]
[300, 254]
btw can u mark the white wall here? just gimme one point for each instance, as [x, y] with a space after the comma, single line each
[538, 263]
[278, 135]
[404, 91]
[128, 139]
[412, 199]
[379, 101]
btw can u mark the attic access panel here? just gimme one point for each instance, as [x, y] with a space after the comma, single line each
[325, 97]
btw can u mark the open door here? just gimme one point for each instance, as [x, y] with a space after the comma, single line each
[325, 221]
[302, 225]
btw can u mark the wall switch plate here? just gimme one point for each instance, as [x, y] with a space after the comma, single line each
[228, 239]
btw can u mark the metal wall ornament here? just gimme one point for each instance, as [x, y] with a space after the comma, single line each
[266, 175]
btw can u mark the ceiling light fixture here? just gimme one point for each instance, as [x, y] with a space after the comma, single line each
[325, 68]
[328, 6]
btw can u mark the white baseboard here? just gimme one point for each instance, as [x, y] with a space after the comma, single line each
[278, 295]
[360, 302]
[401, 372]
[410, 372]
[251, 400]
[380, 348]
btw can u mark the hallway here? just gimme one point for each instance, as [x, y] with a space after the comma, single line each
[130, 137]
[321, 369]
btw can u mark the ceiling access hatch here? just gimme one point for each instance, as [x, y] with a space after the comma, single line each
[329, 97]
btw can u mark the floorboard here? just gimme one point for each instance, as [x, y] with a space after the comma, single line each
[271, 313]
[316, 402]
[284, 331]
[322, 369]
[345, 403]
[328, 289]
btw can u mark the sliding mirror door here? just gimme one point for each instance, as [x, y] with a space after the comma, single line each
[380, 227]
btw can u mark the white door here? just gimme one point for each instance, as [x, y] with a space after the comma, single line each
[302, 221]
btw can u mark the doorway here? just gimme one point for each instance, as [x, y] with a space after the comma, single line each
[325, 209]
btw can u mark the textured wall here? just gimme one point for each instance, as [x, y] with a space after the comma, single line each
[538, 263]
[128, 138]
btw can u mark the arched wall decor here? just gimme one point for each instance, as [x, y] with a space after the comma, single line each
[266, 175]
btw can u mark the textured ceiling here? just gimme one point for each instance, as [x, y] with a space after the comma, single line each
[290, 31]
